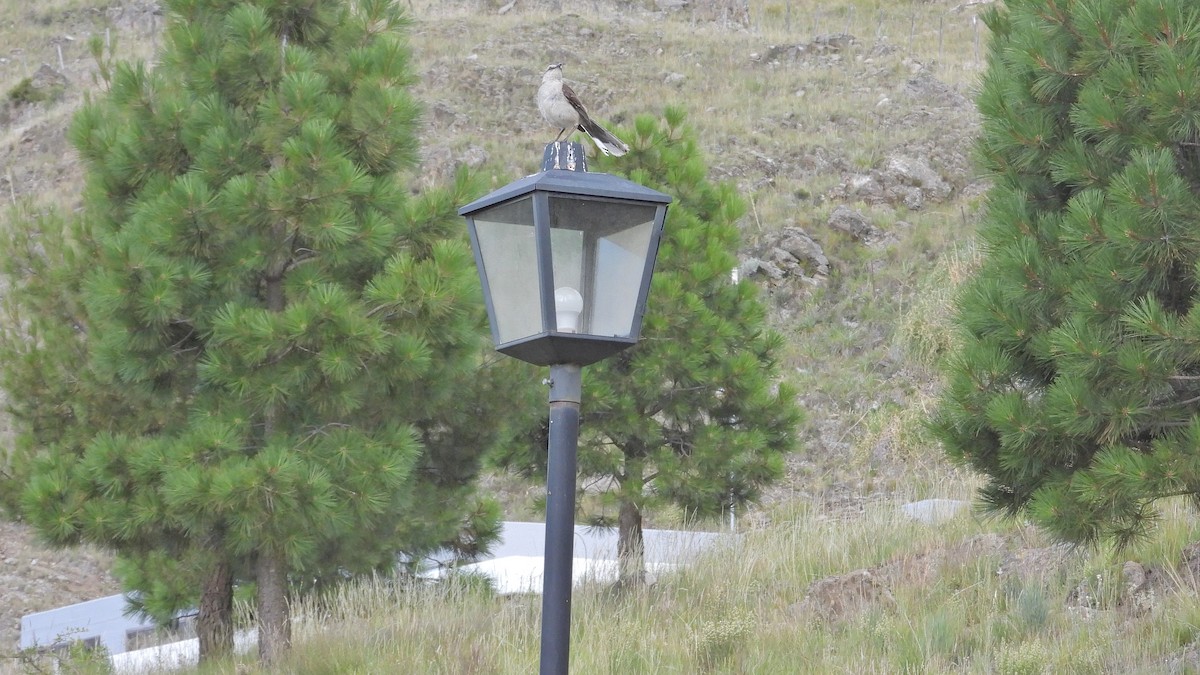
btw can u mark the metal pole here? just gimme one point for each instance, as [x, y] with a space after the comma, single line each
[565, 394]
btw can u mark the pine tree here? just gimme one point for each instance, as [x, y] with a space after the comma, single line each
[50, 395]
[287, 343]
[694, 415]
[1076, 388]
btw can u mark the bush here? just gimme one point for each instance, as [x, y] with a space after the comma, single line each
[26, 92]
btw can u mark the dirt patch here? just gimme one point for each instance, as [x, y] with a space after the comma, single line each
[35, 577]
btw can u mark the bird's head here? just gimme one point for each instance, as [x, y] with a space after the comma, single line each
[554, 66]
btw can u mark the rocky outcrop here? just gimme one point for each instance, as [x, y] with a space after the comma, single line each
[902, 180]
[789, 256]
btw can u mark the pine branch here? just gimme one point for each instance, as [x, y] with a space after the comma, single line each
[1173, 404]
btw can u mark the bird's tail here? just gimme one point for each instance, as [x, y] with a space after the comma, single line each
[608, 143]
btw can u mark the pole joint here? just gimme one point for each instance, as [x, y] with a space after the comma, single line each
[566, 383]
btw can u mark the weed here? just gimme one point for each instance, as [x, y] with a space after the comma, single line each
[1023, 658]
[717, 641]
[1032, 610]
[27, 93]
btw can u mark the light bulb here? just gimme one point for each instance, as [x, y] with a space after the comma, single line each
[568, 304]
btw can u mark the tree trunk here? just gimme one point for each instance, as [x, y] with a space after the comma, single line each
[214, 623]
[274, 623]
[631, 550]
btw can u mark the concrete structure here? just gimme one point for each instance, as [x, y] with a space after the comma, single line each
[174, 656]
[97, 623]
[934, 511]
[515, 563]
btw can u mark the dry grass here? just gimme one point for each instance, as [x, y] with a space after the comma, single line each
[953, 604]
[779, 125]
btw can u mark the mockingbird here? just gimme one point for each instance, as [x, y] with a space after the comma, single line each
[561, 108]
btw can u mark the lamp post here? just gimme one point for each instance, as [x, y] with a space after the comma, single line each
[565, 258]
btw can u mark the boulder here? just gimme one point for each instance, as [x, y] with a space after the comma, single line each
[790, 254]
[854, 224]
[840, 597]
[916, 172]
[903, 179]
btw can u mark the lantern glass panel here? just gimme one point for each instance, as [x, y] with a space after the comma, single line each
[566, 248]
[600, 248]
[620, 266]
[508, 248]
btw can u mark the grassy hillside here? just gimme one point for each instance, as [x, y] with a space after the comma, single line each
[872, 593]
[812, 108]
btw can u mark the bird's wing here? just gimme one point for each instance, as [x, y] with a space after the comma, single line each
[574, 100]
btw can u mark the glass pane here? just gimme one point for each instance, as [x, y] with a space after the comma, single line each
[620, 263]
[509, 252]
[608, 243]
[566, 247]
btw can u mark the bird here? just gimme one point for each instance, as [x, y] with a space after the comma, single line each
[561, 108]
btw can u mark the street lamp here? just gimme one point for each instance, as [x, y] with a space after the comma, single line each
[565, 258]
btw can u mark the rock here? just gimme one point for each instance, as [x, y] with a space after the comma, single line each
[674, 79]
[754, 266]
[933, 511]
[47, 78]
[1135, 593]
[911, 197]
[1138, 595]
[865, 187]
[807, 252]
[778, 52]
[1035, 564]
[782, 260]
[1135, 577]
[927, 89]
[916, 172]
[836, 598]
[473, 157]
[788, 255]
[833, 42]
[823, 48]
[443, 115]
[854, 224]
[903, 179]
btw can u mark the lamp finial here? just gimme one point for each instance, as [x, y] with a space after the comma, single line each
[564, 155]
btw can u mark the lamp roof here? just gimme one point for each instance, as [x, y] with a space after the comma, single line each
[571, 183]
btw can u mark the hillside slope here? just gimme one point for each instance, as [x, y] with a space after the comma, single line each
[846, 125]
